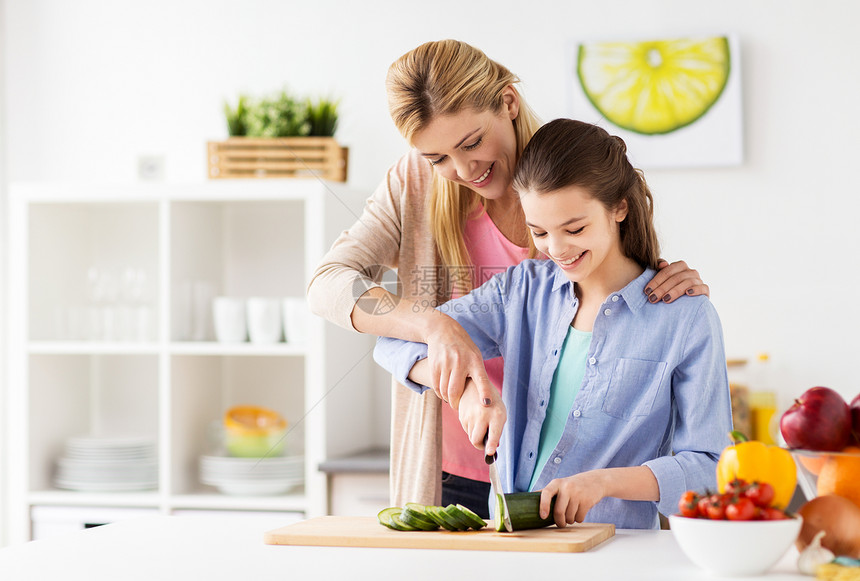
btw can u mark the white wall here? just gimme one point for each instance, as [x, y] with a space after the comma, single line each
[93, 84]
[3, 257]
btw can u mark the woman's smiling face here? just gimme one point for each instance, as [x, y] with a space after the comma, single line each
[575, 230]
[472, 148]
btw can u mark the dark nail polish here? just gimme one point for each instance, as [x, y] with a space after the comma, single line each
[648, 290]
[653, 298]
[689, 291]
[666, 298]
[486, 401]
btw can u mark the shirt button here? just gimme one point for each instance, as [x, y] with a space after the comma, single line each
[542, 403]
[531, 454]
[607, 312]
[615, 299]
[592, 360]
[555, 352]
[577, 413]
[557, 460]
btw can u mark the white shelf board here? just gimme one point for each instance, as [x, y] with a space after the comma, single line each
[239, 190]
[91, 348]
[250, 349]
[207, 499]
[176, 348]
[146, 498]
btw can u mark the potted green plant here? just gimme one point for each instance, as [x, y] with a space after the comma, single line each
[280, 136]
[322, 115]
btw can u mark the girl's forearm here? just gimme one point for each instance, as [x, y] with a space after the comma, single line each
[420, 372]
[633, 483]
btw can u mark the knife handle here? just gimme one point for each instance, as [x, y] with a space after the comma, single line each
[487, 458]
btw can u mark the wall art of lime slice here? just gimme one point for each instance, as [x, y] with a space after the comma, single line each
[654, 87]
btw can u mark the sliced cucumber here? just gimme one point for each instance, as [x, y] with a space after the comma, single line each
[415, 515]
[442, 519]
[418, 517]
[475, 521]
[523, 510]
[457, 516]
[398, 524]
[384, 516]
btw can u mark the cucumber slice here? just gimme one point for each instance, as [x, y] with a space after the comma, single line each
[442, 519]
[398, 524]
[384, 516]
[418, 510]
[475, 521]
[414, 515]
[457, 516]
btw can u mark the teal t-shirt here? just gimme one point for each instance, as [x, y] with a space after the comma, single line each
[565, 385]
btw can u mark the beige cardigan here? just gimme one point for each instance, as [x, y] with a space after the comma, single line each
[398, 206]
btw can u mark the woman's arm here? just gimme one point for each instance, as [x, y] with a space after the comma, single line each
[479, 416]
[346, 287]
[452, 354]
[673, 281]
[480, 314]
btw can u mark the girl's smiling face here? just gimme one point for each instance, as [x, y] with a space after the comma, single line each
[577, 232]
[477, 149]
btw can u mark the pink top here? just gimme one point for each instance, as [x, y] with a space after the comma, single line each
[491, 253]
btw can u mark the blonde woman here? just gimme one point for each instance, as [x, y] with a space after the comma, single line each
[447, 218]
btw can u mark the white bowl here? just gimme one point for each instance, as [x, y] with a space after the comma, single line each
[734, 547]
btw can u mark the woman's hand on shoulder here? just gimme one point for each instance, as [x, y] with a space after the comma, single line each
[574, 496]
[675, 280]
[453, 358]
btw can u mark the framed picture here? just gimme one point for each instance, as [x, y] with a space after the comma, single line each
[676, 102]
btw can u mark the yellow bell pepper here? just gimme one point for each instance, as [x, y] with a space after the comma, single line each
[752, 460]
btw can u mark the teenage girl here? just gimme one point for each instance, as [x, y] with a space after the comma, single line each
[611, 405]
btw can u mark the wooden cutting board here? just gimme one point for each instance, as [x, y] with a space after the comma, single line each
[344, 531]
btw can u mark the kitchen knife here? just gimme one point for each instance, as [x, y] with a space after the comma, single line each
[496, 483]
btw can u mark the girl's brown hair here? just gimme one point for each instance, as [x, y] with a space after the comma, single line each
[566, 153]
[443, 78]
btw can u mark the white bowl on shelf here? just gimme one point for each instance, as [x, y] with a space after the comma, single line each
[252, 476]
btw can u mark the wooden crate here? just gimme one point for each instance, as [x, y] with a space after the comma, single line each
[287, 157]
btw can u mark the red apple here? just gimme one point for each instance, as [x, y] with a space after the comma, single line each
[855, 418]
[818, 420]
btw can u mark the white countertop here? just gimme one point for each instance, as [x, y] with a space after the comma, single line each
[215, 548]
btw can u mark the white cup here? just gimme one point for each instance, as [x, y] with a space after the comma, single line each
[296, 315]
[229, 318]
[264, 320]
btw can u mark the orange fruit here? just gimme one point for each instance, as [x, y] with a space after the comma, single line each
[813, 463]
[840, 475]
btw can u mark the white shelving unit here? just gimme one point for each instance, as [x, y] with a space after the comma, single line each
[162, 374]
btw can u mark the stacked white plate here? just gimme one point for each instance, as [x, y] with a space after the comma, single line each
[94, 464]
[252, 476]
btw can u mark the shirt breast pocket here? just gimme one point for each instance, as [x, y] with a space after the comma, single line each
[633, 387]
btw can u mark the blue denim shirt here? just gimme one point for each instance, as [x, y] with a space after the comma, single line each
[655, 391]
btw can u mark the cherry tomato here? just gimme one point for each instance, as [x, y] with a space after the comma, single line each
[716, 507]
[761, 493]
[703, 504]
[741, 508]
[736, 486]
[772, 513]
[688, 505]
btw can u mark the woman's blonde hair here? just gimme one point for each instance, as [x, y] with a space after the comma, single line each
[443, 78]
[565, 153]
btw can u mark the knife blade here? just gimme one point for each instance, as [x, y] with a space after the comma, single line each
[496, 483]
